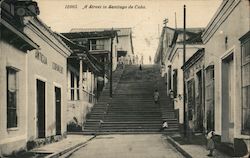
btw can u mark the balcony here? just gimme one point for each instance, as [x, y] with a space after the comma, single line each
[94, 47]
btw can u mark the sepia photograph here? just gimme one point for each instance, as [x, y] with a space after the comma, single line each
[124, 78]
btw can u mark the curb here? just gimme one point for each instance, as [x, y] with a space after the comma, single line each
[60, 153]
[178, 147]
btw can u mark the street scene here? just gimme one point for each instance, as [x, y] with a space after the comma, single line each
[129, 79]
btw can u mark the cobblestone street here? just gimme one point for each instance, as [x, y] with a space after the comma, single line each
[128, 146]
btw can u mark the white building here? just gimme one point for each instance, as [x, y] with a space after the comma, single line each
[227, 58]
[170, 55]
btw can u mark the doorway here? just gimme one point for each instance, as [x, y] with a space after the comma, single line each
[58, 110]
[199, 107]
[228, 99]
[191, 99]
[40, 91]
[209, 98]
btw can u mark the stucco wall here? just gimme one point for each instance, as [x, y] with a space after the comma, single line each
[125, 44]
[51, 77]
[13, 139]
[234, 26]
[177, 62]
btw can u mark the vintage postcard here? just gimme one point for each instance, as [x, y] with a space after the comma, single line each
[125, 78]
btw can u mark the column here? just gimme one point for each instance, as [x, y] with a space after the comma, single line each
[80, 80]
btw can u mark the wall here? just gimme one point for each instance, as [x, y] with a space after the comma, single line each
[49, 48]
[13, 139]
[234, 26]
[177, 61]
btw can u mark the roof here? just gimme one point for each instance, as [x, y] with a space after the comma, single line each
[15, 25]
[192, 60]
[193, 35]
[120, 31]
[90, 60]
[95, 34]
[73, 46]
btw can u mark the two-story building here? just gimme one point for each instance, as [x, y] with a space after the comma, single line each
[100, 44]
[83, 71]
[125, 49]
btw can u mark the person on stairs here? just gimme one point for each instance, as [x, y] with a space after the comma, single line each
[156, 96]
[140, 68]
[164, 125]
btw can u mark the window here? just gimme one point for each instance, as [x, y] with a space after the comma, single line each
[77, 84]
[169, 77]
[245, 72]
[72, 85]
[93, 44]
[175, 82]
[11, 97]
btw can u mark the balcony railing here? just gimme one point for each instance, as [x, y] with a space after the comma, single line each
[87, 96]
[97, 47]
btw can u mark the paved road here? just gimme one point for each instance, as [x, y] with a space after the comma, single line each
[128, 146]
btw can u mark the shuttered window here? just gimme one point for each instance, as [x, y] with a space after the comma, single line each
[245, 67]
[209, 97]
[175, 82]
[11, 97]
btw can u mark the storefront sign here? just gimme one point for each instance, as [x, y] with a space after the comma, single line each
[57, 67]
[41, 57]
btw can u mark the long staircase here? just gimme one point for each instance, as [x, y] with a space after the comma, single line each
[132, 109]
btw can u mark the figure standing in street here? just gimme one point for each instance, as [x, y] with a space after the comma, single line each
[210, 143]
[156, 96]
[140, 68]
[149, 58]
[137, 59]
[142, 59]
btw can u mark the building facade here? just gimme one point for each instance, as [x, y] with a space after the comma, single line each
[15, 46]
[100, 44]
[170, 55]
[47, 88]
[125, 49]
[195, 94]
[226, 40]
[83, 87]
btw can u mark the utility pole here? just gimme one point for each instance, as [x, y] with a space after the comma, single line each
[165, 22]
[175, 20]
[111, 66]
[184, 87]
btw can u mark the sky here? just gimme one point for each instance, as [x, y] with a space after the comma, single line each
[145, 17]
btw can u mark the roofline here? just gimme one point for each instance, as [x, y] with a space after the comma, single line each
[224, 10]
[34, 27]
[171, 55]
[195, 57]
[22, 35]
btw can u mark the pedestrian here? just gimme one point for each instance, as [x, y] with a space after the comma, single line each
[210, 143]
[164, 125]
[140, 68]
[156, 96]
